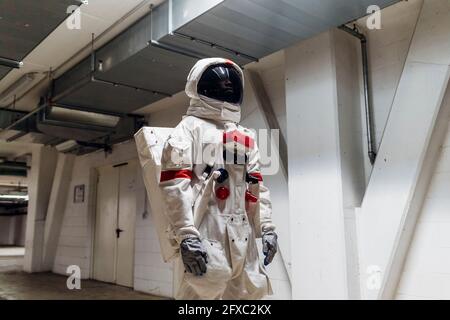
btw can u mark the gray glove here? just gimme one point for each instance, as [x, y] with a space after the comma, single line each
[270, 246]
[194, 256]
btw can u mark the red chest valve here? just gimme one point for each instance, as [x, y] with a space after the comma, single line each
[222, 193]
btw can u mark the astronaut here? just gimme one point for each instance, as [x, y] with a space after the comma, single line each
[215, 198]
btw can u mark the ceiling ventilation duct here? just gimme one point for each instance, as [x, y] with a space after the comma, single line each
[54, 124]
[76, 124]
[247, 30]
[126, 74]
[151, 59]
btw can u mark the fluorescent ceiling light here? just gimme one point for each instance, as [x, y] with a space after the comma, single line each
[66, 146]
[83, 117]
[13, 197]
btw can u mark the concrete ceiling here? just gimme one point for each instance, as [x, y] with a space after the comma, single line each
[24, 24]
[63, 48]
[13, 150]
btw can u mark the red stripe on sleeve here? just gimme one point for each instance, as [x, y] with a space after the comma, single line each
[172, 175]
[256, 175]
[249, 197]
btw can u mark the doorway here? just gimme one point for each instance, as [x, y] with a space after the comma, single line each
[13, 218]
[115, 224]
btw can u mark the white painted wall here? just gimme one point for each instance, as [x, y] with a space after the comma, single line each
[387, 49]
[426, 273]
[402, 170]
[151, 274]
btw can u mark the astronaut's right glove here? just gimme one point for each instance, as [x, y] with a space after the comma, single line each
[194, 256]
[270, 246]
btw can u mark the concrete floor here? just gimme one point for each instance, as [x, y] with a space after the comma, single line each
[18, 285]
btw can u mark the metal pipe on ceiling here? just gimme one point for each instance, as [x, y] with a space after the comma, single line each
[216, 46]
[119, 84]
[17, 136]
[25, 117]
[371, 143]
[10, 63]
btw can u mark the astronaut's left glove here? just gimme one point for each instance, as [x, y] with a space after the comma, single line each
[270, 246]
[194, 256]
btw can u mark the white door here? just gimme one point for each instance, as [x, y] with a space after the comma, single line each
[126, 224]
[106, 224]
[115, 224]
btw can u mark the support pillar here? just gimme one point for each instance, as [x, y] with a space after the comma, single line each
[56, 208]
[326, 173]
[40, 180]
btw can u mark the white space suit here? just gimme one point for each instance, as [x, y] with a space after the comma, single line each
[226, 213]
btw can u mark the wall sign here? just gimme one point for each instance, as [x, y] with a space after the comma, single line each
[78, 194]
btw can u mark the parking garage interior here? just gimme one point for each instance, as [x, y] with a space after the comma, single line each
[361, 115]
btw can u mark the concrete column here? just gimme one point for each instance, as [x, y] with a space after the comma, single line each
[40, 178]
[408, 150]
[56, 208]
[326, 172]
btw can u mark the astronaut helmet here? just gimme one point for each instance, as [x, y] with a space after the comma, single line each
[222, 82]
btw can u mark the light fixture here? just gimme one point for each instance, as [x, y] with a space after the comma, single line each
[66, 146]
[82, 117]
[14, 197]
